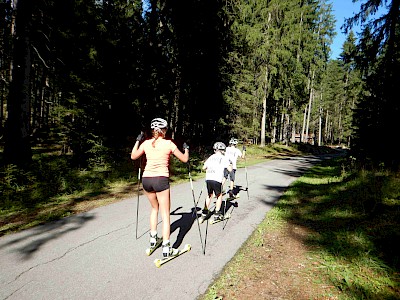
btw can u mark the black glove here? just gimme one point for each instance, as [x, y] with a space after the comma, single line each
[244, 148]
[140, 136]
[185, 146]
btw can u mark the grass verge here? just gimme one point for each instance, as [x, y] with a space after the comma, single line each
[331, 236]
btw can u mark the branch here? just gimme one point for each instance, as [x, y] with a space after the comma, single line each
[37, 52]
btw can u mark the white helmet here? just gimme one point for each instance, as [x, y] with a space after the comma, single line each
[158, 123]
[233, 141]
[219, 146]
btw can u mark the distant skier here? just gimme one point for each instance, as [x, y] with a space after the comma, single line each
[155, 179]
[214, 167]
[232, 153]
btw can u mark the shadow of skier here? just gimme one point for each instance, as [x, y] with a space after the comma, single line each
[183, 224]
[237, 189]
[229, 204]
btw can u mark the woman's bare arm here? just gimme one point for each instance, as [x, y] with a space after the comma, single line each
[183, 157]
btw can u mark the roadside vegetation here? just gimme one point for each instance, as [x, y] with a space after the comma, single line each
[331, 236]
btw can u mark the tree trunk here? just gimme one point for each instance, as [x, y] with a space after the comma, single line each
[320, 123]
[304, 124]
[293, 139]
[320, 127]
[310, 104]
[17, 148]
[326, 135]
[264, 109]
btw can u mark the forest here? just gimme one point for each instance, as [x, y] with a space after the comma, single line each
[81, 79]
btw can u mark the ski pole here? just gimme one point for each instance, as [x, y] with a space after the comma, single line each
[205, 239]
[223, 227]
[198, 199]
[227, 220]
[195, 206]
[137, 202]
[224, 207]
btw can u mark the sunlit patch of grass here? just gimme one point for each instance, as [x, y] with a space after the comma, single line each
[353, 220]
[350, 255]
[363, 277]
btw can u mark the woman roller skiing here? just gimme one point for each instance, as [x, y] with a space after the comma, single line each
[155, 179]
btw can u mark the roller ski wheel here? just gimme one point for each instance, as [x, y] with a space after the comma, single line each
[149, 251]
[215, 221]
[175, 253]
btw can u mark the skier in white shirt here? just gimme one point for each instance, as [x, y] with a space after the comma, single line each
[232, 153]
[215, 166]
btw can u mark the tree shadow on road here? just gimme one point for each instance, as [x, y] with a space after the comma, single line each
[42, 234]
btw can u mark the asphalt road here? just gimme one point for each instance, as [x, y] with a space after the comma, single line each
[101, 254]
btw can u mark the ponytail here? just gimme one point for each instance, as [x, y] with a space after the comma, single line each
[157, 132]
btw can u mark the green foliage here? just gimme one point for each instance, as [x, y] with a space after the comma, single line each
[104, 69]
[99, 157]
[377, 58]
[12, 181]
[275, 46]
[49, 178]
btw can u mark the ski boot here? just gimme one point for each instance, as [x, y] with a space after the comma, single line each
[168, 251]
[204, 215]
[155, 242]
[218, 216]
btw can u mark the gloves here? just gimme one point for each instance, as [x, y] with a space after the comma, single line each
[244, 148]
[185, 146]
[140, 136]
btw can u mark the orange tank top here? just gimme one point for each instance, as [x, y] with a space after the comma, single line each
[157, 157]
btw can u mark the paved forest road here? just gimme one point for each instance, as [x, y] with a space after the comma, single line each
[96, 255]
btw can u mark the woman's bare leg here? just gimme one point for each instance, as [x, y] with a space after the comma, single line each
[218, 204]
[165, 205]
[208, 201]
[152, 196]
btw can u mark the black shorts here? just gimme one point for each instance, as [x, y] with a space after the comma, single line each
[230, 174]
[214, 187]
[155, 184]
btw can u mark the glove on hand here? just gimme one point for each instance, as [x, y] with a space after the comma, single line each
[140, 136]
[185, 146]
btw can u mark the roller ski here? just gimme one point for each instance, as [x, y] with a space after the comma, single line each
[206, 214]
[220, 217]
[170, 253]
[155, 242]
